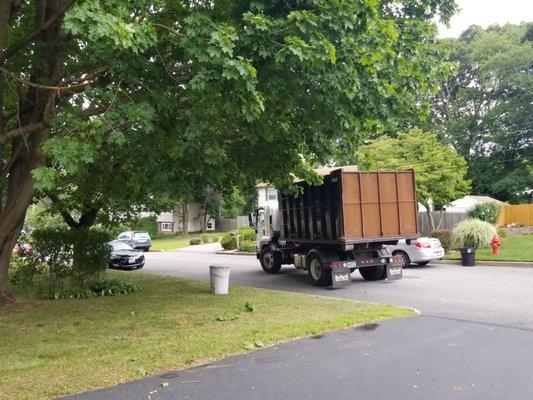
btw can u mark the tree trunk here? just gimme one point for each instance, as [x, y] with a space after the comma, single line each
[431, 221]
[185, 219]
[34, 107]
[18, 199]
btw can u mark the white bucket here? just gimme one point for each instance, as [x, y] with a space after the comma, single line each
[219, 277]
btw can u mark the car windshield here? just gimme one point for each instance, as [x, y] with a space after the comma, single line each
[141, 235]
[120, 246]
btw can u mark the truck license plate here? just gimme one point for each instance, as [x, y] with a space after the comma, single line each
[394, 272]
[340, 277]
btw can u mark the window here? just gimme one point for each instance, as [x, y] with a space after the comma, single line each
[124, 235]
[272, 194]
[210, 225]
[166, 226]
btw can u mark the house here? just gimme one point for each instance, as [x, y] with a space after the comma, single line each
[172, 221]
[467, 203]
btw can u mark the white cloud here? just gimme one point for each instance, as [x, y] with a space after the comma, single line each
[485, 13]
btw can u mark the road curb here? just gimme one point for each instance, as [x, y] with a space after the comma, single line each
[487, 263]
[235, 253]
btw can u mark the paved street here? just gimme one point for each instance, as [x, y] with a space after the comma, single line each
[447, 353]
[498, 295]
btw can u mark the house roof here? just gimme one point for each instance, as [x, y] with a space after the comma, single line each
[486, 199]
[460, 202]
[323, 171]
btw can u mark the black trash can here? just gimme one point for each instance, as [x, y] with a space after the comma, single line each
[468, 256]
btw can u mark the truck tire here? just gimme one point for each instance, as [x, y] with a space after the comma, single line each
[318, 273]
[270, 260]
[373, 273]
[406, 261]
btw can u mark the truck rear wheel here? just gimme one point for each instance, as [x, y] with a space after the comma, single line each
[270, 260]
[373, 273]
[318, 273]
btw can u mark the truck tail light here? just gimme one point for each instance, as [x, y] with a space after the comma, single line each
[423, 245]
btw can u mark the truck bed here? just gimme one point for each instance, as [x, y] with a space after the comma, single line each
[351, 207]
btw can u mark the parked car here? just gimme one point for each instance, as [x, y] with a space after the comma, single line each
[136, 239]
[421, 251]
[125, 256]
[22, 248]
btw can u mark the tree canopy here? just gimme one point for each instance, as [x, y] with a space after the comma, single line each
[201, 92]
[485, 109]
[439, 170]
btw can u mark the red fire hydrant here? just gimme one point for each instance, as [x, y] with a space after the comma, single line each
[495, 244]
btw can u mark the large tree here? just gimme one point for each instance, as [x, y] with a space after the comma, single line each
[485, 109]
[222, 89]
[439, 171]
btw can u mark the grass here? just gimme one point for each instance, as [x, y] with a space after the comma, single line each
[50, 348]
[513, 248]
[172, 242]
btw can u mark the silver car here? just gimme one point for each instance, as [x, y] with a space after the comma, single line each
[136, 239]
[421, 251]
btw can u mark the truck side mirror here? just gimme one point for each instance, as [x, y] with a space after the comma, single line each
[251, 220]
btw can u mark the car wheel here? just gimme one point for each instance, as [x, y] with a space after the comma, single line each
[270, 260]
[405, 260]
[422, 263]
[373, 273]
[140, 266]
[318, 273]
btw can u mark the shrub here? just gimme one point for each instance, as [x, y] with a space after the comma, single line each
[473, 233]
[445, 237]
[113, 287]
[195, 241]
[146, 224]
[90, 254]
[79, 254]
[213, 239]
[247, 246]
[53, 251]
[22, 271]
[228, 242]
[116, 230]
[205, 238]
[247, 234]
[502, 232]
[488, 212]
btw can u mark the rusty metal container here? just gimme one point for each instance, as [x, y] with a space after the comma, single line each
[351, 207]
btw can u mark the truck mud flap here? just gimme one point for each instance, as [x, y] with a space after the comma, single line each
[394, 272]
[340, 277]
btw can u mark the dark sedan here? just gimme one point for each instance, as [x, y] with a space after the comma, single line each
[125, 256]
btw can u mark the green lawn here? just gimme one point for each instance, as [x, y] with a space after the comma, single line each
[50, 348]
[513, 248]
[178, 241]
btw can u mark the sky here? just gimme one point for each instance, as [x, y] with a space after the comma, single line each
[485, 13]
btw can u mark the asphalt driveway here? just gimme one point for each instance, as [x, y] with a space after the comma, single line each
[415, 358]
[497, 295]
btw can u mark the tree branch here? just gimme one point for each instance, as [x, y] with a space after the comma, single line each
[15, 47]
[67, 88]
[24, 130]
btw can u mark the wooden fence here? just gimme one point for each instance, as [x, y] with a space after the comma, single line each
[520, 214]
[444, 220]
[225, 225]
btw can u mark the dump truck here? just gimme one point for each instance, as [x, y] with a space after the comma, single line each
[342, 225]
